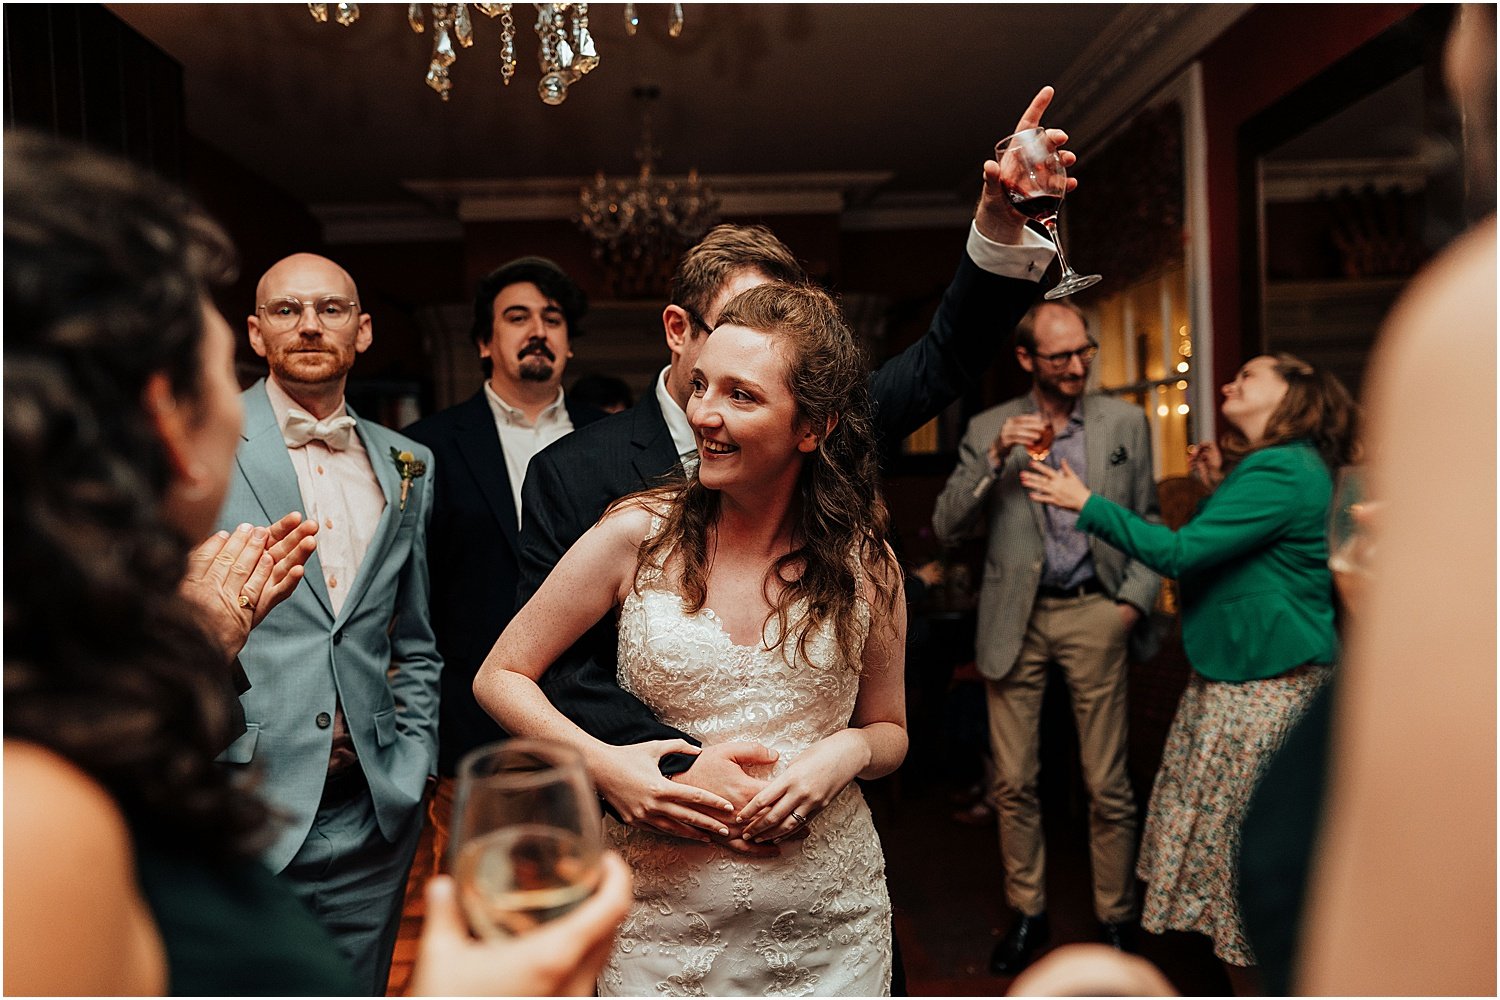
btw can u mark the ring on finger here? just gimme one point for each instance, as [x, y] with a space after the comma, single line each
[244, 601]
[799, 817]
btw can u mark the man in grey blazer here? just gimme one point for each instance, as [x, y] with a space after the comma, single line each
[1053, 595]
[341, 714]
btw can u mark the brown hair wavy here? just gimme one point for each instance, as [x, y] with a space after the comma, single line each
[106, 273]
[842, 521]
[1317, 407]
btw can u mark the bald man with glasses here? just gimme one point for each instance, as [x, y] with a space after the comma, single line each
[341, 715]
[1052, 594]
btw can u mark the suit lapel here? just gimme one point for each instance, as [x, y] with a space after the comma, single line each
[655, 454]
[1097, 441]
[264, 463]
[479, 443]
[379, 452]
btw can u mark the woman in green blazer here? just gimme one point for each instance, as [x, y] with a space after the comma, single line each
[1257, 625]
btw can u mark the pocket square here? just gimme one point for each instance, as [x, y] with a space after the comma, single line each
[1118, 456]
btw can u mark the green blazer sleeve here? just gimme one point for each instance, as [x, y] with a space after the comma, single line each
[1248, 511]
[1257, 596]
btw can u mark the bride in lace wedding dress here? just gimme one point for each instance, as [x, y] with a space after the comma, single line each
[756, 603]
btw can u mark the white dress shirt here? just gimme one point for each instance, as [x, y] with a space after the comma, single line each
[521, 439]
[340, 492]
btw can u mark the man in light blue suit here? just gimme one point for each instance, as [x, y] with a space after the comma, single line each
[341, 714]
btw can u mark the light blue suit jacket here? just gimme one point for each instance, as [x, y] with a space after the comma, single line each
[378, 656]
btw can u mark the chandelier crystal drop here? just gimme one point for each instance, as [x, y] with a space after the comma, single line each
[640, 226]
[566, 49]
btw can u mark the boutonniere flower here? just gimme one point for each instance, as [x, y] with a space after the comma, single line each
[410, 468]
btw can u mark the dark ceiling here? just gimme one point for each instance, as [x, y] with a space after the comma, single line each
[336, 114]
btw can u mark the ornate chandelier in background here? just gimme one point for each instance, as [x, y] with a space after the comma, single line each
[566, 50]
[640, 227]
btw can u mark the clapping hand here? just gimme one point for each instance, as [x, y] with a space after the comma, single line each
[1059, 487]
[995, 217]
[236, 578]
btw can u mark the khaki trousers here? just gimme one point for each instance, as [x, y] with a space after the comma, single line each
[1086, 638]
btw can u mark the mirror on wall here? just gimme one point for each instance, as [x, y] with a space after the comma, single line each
[1352, 204]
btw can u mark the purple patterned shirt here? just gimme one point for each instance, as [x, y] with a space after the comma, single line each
[1068, 560]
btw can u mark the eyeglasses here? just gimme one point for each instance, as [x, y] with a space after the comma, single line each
[697, 319]
[332, 311]
[1062, 358]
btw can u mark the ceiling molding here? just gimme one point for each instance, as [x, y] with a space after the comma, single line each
[1141, 50]
[909, 210]
[854, 197]
[556, 198]
[386, 222]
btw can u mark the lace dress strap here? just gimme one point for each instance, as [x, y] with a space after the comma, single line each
[651, 573]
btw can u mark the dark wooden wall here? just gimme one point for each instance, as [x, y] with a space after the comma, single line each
[79, 72]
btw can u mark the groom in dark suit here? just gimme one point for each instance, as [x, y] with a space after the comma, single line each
[570, 484]
[526, 314]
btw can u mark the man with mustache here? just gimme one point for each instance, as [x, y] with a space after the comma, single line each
[341, 715]
[526, 313]
[1052, 594]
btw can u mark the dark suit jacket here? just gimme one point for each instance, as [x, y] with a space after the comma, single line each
[471, 558]
[569, 485]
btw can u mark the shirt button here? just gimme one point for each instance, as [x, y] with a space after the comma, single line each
[320, 470]
[324, 720]
[338, 637]
[328, 523]
[333, 581]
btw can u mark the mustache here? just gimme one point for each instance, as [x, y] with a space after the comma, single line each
[537, 347]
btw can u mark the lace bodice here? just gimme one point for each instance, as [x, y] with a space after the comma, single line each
[708, 921]
[689, 671]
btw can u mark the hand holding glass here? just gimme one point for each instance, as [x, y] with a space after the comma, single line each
[526, 835]
[1042, 446]
[1350, 544]
[1032, 172]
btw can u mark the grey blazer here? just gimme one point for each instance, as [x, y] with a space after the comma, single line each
[378, 655]
[1117, 449]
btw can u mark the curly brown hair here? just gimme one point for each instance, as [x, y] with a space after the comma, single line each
[840, 534]
[1317, 408]
[106, 275]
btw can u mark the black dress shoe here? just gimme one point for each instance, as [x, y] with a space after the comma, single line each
[1120, 936]
[1019, 946]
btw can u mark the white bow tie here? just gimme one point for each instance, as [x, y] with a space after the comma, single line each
[302, 427]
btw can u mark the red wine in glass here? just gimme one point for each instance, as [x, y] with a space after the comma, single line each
[1031, 169]
[1041, 207]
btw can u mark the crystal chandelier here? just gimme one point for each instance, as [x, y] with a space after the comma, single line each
[639, 227]
[566, 50]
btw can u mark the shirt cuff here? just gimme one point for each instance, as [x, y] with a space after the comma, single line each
[1028, 261]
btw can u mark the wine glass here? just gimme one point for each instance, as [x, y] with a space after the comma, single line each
[1350, 545]
[1042, 446]
[526, 835]
[1032, 172]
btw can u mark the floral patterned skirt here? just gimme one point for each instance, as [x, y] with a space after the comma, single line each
[1220, 743]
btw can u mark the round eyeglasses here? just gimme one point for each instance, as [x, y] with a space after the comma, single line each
[333, 312]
